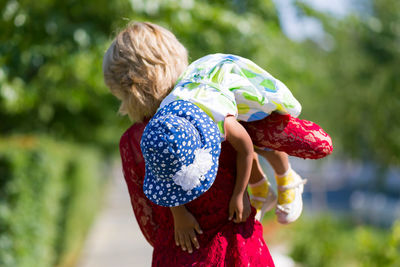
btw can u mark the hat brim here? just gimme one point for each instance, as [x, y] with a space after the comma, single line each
[165, 192]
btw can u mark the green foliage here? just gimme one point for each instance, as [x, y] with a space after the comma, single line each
[49, 193]
[359, 82]
[326, 241]
[51, 52]
[377, 248]
[50, 75]
[323, 243]
[80, 202]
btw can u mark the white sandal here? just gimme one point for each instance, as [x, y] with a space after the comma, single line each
[290, 212]
[268, 203]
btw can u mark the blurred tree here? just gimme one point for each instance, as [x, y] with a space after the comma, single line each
[50, 74]
[357, 90]
[326, 241]
[51, 53]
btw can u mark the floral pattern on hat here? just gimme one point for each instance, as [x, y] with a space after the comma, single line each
[181, 147]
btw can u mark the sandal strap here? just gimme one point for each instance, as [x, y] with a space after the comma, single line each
[262, 199]
[283, 209]
[282, 188]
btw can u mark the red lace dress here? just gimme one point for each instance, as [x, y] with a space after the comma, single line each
[296, 137]
[223, 243]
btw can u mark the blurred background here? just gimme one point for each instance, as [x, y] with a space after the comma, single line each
[59, 128]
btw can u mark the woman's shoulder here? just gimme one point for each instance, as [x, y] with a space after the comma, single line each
[130, 152]
[132, 135]
[134, 131]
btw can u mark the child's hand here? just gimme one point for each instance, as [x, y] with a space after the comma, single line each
[186, 226]
[239, 205]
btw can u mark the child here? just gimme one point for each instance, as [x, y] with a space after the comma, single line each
[229, 88]
[140, 78]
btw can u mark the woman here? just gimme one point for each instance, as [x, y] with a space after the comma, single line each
[137, 74]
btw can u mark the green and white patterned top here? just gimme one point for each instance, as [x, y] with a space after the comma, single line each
[223, 85]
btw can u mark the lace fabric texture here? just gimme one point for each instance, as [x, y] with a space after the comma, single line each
[296, 137]
[223, 243]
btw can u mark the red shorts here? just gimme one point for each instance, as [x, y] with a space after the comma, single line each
[299, 138]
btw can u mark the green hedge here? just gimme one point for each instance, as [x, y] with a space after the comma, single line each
[49, 194]
[332, 241]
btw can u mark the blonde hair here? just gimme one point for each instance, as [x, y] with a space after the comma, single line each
[141, 66]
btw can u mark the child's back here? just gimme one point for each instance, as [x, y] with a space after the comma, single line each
[223, 85]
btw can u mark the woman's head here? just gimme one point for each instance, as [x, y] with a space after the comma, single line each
[141, 67]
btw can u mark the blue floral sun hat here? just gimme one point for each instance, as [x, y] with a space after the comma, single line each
[181, 146]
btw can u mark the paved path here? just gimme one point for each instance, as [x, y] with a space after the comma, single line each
[115, 239]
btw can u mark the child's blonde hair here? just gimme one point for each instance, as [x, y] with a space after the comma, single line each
[141, 66]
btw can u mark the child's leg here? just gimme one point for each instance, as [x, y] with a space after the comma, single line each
[278, 160]
[263, 198]
[296, 137]
[257, 174]
[290, 186]
[285, 133]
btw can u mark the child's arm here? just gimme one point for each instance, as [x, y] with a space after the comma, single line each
[237, 136]
[185, 225]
